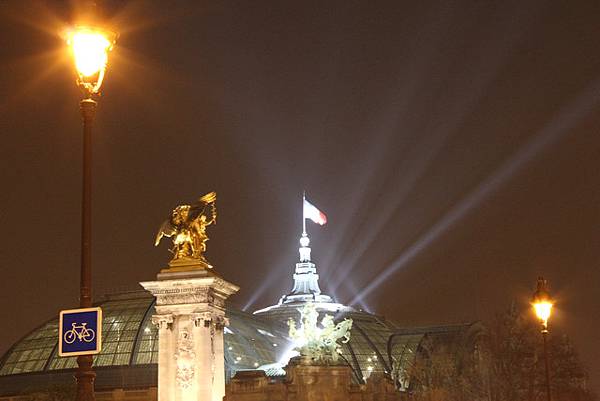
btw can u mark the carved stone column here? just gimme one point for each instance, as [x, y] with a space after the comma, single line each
[190, 315]
[219, 348]
[164, 323]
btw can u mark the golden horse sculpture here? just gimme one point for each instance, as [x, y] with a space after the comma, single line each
[186, 226]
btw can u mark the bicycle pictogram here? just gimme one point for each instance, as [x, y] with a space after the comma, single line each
[79, 332]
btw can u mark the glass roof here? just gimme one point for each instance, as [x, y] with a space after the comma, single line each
[130, 339]
[368, 344]
[31, 353]
[406, 344]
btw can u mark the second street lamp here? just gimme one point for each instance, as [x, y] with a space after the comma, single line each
[542, 305]
[90, 49]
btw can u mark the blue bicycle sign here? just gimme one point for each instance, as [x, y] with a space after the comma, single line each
[80, 332]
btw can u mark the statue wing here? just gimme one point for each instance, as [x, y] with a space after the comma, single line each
[166, 230]
[196, 210]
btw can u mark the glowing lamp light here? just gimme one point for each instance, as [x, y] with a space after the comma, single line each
[542, 303]
[542, 310]
[90, 48]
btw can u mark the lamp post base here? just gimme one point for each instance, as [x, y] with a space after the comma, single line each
[547, 363]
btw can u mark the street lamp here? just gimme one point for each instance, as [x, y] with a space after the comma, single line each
[542, 305]
[89, 47]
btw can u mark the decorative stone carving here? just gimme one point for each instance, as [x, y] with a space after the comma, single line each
[190, 353]
[177, 296]
[201, 319]
[185, 358]
[163, 321]
[221, 322]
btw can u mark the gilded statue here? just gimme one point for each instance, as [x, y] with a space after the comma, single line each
[186, 226]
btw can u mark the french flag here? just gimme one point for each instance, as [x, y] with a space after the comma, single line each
[311, 212]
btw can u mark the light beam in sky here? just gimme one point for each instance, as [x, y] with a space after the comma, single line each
[492, 56]
[572, 114]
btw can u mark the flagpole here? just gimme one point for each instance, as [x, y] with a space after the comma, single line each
[303, 216]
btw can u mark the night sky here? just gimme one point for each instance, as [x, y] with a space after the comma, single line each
[454, 147]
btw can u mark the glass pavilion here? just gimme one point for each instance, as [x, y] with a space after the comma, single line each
[129, 355]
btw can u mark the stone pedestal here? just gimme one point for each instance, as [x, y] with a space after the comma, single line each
[190, 316]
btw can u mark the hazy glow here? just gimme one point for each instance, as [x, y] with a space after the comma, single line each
[90, 49]
[289, 353]
[543, 310]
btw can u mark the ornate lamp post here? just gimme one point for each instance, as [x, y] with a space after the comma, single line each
[90, 48]
[542, 305]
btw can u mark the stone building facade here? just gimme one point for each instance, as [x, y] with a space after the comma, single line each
[309, 383]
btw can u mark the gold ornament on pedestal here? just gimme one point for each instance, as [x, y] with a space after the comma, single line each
[186, 226]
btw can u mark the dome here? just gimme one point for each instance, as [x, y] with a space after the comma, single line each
[129, 353]
[366, 352]
[130, 346]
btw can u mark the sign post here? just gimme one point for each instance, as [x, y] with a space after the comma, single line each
[80, 332]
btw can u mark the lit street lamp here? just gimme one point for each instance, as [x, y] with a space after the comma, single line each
[90, 48]
[542, 305]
